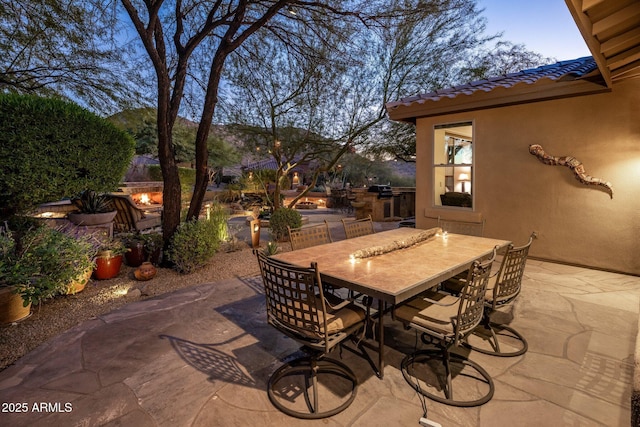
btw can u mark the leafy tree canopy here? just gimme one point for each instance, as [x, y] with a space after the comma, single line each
[141, 124]
[70, 48]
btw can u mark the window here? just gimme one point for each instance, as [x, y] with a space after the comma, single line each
[453, 165]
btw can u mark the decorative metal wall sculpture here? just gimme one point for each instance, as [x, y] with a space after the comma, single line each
[572, 163]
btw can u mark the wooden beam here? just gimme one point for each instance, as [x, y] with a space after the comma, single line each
[622, 42]
[584, 25]
[589, 4]
[624, 58]
[629, 13]
[626, 72]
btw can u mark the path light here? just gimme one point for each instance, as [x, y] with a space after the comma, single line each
[255, 233]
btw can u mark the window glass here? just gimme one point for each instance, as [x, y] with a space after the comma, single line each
[453, 165]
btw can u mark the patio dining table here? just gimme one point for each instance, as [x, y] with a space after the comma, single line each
[395, 276]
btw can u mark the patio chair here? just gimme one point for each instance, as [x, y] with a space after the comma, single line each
[297, 307]
[462, 227]
[130, 218]
[310, 235]
[445, 320]
[504, 286]
[358, 227]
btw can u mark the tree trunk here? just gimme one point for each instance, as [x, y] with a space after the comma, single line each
[202, 150]
[172, 192]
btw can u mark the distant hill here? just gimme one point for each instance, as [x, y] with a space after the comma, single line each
[403, 169]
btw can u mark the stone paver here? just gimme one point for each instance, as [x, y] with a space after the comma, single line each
[202, 357]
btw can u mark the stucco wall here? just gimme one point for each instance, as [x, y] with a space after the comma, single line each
[517, 194]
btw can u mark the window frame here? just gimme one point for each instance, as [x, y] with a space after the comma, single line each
[443, 178]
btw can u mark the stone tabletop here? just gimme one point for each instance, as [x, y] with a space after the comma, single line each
[394, 276]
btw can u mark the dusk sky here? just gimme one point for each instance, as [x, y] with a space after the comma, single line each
[543, 26]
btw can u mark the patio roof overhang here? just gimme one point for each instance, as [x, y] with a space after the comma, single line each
[561, 80]
[611, 29]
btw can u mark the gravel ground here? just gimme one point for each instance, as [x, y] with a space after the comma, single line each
[102, 296]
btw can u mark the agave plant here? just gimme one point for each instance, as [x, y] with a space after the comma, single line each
[272, 248]
[91, 202]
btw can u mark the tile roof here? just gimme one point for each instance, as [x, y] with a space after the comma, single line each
[560, 71]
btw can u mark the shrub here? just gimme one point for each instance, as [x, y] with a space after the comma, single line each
[43, 262]
[193, 244]
[51, 149]
[282, 218]
[217, 213]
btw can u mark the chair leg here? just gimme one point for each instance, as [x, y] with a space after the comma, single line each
[493, 332]
[281, 390]
[420, 371]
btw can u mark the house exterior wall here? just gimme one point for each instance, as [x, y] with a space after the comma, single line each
[517, 194]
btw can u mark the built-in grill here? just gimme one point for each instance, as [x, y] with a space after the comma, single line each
[384, 191]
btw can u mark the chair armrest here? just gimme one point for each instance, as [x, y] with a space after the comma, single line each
[338, 306]
[334, 302]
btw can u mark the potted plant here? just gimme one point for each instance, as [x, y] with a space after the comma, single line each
[13, 276]
[153, 244]
[109, 259]
[136, 255]
[93, 209]
[41, 264]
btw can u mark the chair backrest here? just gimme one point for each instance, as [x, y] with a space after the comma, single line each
[509, 277]
[472, 297]
[128, 213]
[311, 235]
[462, 227]
[295, 300]
[358, 227]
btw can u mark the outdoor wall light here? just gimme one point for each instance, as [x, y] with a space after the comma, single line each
[255, 233]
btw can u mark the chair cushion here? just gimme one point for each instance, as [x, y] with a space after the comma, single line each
[337, 320]
[149, 221]
[430, 316]
[343, 318]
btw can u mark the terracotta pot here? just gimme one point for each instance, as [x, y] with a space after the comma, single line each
[91, 219]
[155, 257]
[12, 307]
[107, 266]
[145, 272]
[78, 285]
[136, 255]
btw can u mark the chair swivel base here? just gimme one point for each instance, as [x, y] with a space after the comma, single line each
[498, 337]
[310, 369]
[447, 382]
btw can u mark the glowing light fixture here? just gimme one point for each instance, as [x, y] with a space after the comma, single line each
[463, 177]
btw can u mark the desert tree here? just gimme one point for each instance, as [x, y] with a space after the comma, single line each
[66, 48]
[315, 100]
[188, 43]
[494, 57]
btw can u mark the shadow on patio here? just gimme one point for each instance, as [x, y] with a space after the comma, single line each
[202, 356]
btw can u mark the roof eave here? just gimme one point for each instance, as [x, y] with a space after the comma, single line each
[586, 30]
[499, 97]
